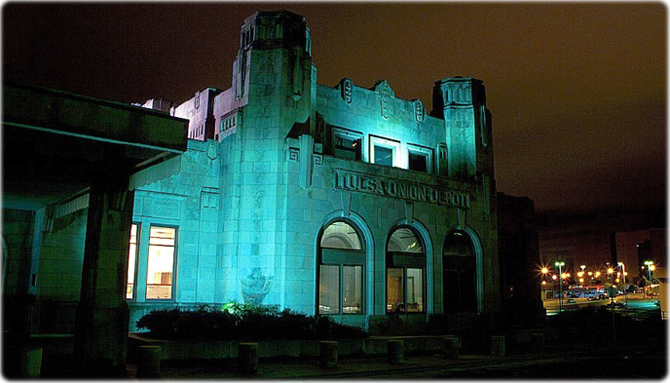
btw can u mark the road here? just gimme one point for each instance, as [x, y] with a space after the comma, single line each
[635, 302]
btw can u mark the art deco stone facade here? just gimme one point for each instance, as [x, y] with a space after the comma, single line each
[276, 159]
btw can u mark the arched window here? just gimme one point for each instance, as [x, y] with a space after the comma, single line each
[340, 278]
[405, 269]
[459, 273]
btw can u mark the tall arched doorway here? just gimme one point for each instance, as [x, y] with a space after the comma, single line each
[341, 267]
[405, 272]
[459, 273]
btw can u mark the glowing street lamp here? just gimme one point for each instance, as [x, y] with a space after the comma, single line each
[597, 274]
[649, 264]
[650, 267]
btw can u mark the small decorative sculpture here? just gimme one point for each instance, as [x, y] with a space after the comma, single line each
[419, 111]
[346, 90]
[255, 287]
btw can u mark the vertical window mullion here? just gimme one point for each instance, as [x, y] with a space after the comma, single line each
[341, 289]
[132, 268]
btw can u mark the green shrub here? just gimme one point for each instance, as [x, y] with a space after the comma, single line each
[235, 321]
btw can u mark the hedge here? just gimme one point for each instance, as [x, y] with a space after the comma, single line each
[236, 321]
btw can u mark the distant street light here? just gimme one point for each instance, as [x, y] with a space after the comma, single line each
[649, 264]
[650, 268]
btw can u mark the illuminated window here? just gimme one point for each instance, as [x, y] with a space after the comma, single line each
[383, 155]
[132, 262]
[340, 276]
[160, 262]
[405, 262]
[384, 151]
[347, 144]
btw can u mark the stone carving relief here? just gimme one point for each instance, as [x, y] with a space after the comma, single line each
[296, 63]
[383, 88]
[419, 111]
[240, 74]
[255, 287]
[293, 154]
[267, 82]
[483, 131]
[384, 106]
[306, 160]
[458, 93]
[212, 151]
[347, 90]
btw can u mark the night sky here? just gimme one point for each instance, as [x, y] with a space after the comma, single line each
[577, 90]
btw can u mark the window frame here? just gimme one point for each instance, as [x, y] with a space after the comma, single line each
[404, 261]
[349, 135]
[460, 264]
[174, 264]
[388, 144]
[421, 150]
[341, 258]
[138, 237]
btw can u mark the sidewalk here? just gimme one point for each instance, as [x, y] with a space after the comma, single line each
[415, 366]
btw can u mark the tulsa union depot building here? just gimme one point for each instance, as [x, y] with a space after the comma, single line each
[338, 200]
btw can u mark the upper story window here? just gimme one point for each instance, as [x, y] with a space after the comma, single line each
[419, 158]
[384, 151]
[347, 144]
[383, 155]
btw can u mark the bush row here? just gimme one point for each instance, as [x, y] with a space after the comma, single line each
[236, 321]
